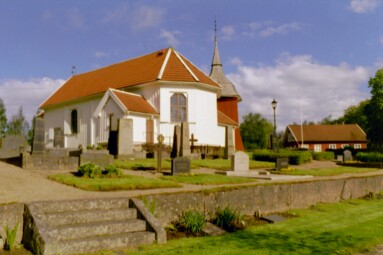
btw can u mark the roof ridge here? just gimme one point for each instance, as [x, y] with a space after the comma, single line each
[125, 92]
[164, 64]
[185, 65]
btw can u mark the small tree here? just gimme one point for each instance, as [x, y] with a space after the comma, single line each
[3, 119]
[18, 125]
[255, 131]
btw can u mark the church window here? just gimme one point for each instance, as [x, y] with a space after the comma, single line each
[74, 121]
[178, 108]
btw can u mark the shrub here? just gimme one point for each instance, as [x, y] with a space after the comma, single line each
[191, 221]
[328, 155]
[295, 157]
[229, 219]
[112, 170]
[89, 170]
[369, 157]
[10, 237]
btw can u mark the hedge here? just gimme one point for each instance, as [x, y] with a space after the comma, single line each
[328, 155]
[369, 157]
[295, 157]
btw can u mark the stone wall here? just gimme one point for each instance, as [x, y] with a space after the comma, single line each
[11, 214]
[265, 199]
[48, 162]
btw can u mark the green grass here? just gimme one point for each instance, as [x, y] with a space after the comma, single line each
[327, 171]
[205, 179]
[219, 164]
[126, 182]
[342, 228]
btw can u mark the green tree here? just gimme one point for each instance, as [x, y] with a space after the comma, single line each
[255, 131]
[356, 114]
[3, 119]
[374, 112]
[18, 125]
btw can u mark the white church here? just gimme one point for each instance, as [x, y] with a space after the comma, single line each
[156, 91]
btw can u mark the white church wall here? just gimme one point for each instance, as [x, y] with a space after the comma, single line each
[61, 118]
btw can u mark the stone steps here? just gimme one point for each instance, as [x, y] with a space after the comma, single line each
[78, 226]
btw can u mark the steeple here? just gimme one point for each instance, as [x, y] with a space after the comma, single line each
[217, 74]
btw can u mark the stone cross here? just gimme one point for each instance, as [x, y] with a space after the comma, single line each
[192, 140]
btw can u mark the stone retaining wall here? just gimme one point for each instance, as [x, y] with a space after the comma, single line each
[48, 162]
[11, 214]
[265, 199]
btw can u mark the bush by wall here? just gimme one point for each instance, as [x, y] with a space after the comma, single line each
[369, 157]
[191, 221]
[295, 157]
[328, 155]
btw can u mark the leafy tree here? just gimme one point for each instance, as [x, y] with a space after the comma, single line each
[374, 112]
[18, 125]
[328, 121]
[356, 114]
[3, 119]
[255, 131]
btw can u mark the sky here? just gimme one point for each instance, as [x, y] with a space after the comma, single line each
[314, 58]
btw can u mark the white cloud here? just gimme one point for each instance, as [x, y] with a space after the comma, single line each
[29, 94]
[299, 82]
[363, 6]
[101, 54]
[146, 16]
[227, 32]
[282, 29]
[170, 37]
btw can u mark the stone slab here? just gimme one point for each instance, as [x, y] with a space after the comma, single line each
[273, 218]
[240, 162]
[281, 163]
[212, 230]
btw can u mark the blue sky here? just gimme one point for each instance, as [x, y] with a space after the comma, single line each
[313, 57]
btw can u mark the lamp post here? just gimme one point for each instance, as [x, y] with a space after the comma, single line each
[160, 139]
[274, 105]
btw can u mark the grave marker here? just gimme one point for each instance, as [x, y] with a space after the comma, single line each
[347, 155]
[240, 162]
[38, 145]
[180, 165]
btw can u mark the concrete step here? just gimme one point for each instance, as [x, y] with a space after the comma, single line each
[98, 243]
[79, 217]
[83, 205]
[79, 231]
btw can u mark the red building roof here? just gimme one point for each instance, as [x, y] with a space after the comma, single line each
[164, 65]
[134, 102]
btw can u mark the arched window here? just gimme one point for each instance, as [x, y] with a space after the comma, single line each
[73, 121]
[178, 108]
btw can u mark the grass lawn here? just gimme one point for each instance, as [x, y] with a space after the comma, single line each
[327, 171]
[126, 182]
[342, 228]
[205, 179]
[219, 164]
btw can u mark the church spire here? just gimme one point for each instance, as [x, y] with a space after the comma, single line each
[217, 74]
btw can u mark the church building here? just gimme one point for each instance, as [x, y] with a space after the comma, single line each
[154, 92]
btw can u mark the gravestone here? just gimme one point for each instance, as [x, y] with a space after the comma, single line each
[347, 155]
[58, 138]
[38, 145]
[240, 162]
[229, 142]
[185, 143]
[281, 163]
[125, 138]
[176, 142]
[180, 165]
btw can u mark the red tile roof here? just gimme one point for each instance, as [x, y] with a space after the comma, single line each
[224, 119]
[134, 103]
[132, 72]
[328, 133]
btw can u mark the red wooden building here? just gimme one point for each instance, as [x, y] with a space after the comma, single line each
[324, 137]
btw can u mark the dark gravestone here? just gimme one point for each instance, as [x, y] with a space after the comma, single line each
[281, 163]
[273, 218]
[58, 138]
[180, 165]
[347, 155]
[176, 142]
[12, 146]
[38, 146]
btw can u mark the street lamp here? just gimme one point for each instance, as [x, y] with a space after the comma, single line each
[160, 140]
[274, 105]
